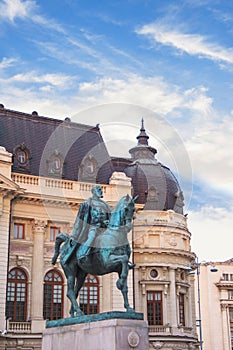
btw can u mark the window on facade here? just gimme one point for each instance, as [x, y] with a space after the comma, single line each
[89, 296]
[21, 156]
[56, 163]
[181, 310]
[53, 296]
[225, 277]
[54, 231]
[230, 294]
[90, 167]
[19, 231]
[231, 313]
[16, 304]
[154, 308]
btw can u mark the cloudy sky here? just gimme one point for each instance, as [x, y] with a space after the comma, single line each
[114, 62]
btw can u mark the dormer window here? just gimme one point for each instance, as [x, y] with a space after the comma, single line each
[55, 164]
[22, 158]
[88, 169]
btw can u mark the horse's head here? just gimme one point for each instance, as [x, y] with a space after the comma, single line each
[122, 214]
[128, 209]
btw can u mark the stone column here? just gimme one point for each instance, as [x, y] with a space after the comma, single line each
[165, 304]
[189, 315]
[38, 275]
[6, 195]
[4, 248]
[226, 328]
[173, 298]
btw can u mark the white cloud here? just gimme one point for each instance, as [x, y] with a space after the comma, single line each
[12, 9]
[212, 237]
[197, 99]
[152, 93]
[7, 62]
[211, 153]
[192, 44]
[207, 135]
[58, 80]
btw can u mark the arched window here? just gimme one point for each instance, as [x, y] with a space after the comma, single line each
[53, 296]
[16, 305]
[89, 296]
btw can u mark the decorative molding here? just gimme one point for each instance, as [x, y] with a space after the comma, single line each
[157, 345]
[39, 226]
[172, 240]
[133, 339]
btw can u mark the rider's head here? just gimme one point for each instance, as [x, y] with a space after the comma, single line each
[97, 191]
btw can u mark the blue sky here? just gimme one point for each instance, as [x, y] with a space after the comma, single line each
[168, 61]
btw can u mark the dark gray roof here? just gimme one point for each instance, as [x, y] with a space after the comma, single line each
[43, 138]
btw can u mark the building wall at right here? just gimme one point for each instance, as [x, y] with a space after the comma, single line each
[216, 300]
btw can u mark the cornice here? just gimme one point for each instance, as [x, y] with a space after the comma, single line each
[31, 198]
[224, 285]
[165, 251]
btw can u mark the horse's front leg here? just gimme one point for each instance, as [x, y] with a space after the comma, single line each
[119, 263]
[124, 271]
[124, 292]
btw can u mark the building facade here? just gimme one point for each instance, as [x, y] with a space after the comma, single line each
[47, 168]
[216, 300]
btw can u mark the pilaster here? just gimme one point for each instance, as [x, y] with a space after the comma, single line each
[4, 249]
[38, 274]
[173, 306]
[226, 327]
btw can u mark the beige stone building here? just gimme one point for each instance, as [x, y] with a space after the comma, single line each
[47, 168]
[216, 300]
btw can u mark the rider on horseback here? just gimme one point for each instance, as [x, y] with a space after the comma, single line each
[92, 219]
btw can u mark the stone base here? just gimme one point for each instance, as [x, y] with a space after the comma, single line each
[113, 334]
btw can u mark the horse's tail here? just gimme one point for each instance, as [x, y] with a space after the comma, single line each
[61, 238]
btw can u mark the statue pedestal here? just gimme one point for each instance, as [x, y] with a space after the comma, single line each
[111, 334]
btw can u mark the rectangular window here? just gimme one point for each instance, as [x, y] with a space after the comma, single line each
[154, 308]
[225, 276]
[54, 231]
[230, 294]
[231, 314]
[181, 310]
[19, 231]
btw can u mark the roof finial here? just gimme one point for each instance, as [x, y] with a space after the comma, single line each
[142, 127]
[142, 137]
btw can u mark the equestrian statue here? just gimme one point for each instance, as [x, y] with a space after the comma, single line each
[98, 245]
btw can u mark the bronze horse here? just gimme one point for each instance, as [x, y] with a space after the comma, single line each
[110, 253]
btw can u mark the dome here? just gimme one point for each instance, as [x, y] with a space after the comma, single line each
[152, 181]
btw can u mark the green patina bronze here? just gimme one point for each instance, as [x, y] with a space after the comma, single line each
[98, 245]
[93, 318]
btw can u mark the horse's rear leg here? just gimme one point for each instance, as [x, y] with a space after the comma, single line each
[71, 295]
[80, 279]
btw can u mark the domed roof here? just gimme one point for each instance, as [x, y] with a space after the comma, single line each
[152, 181]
